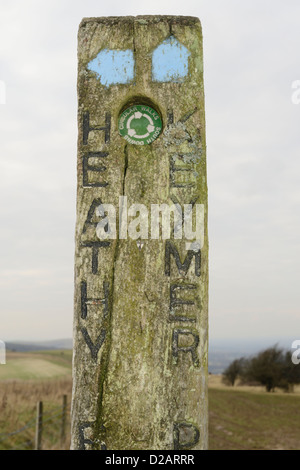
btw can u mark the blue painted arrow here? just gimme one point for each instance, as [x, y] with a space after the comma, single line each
[113, 67]
[170, 61]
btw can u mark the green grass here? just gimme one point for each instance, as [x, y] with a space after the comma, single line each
[25, 379]
[18, 403]
[254, 421]
[36, 365]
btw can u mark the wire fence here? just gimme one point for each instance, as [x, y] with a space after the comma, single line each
[49, 429]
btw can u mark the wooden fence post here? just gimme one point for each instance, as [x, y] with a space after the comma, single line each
[39, 426]
[63, 419]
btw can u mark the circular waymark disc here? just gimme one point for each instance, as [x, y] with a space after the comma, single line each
[140, 124]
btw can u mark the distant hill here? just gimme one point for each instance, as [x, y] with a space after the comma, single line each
[40, 346]
[223, 351]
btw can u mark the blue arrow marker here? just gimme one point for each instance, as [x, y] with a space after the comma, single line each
[113, 67]
[170, 61]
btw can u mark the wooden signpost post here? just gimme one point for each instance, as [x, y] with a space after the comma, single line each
[141, 261]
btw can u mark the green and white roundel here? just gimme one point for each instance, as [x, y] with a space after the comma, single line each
[140, 124]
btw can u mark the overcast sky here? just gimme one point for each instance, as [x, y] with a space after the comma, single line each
[251, 60]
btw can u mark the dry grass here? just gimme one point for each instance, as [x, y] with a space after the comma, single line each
[249, 418]
[240, 417]
[18, 401]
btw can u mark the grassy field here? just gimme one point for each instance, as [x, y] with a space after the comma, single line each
[240, 417]
[25, 379]
[244, 417]
[36, 365]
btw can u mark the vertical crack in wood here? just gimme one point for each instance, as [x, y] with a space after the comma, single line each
[104, 362]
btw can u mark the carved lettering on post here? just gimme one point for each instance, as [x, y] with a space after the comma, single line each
[185, 435]
[94, 347]
[83, 441]
[85, 301]
[95, 252]
[90, 222]
[86, 128]
[176, 302]
[93, 168]
[178, 334]
[171, 249]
